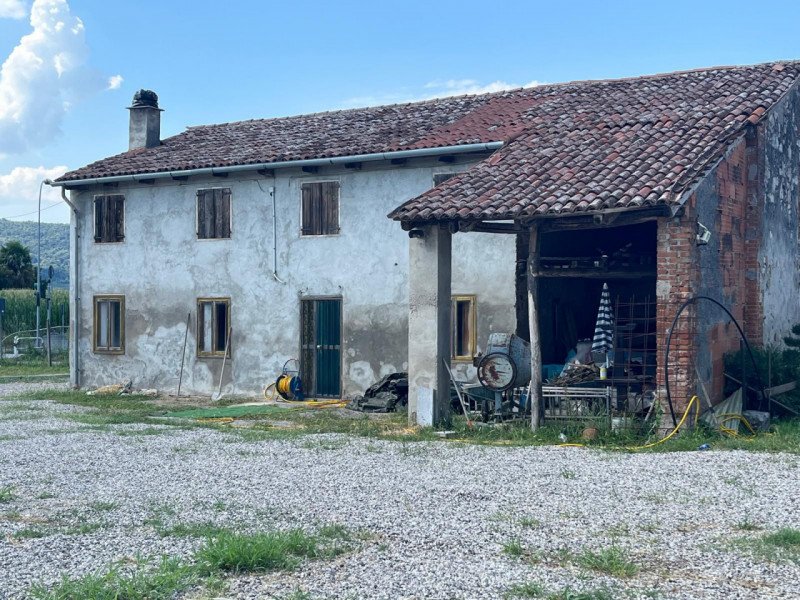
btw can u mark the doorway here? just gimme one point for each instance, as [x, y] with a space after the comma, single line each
[321, 347]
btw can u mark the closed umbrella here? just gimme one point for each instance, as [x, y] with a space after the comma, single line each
[603, 330]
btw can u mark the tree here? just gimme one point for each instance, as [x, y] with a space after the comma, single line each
[16, 269]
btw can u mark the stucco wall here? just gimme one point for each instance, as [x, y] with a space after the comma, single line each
[162, 269]
[779, 254]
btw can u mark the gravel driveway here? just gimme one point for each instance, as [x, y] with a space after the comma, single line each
[437, 519]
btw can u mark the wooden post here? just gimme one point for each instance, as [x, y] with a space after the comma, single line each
[533, 324]
[49, 347]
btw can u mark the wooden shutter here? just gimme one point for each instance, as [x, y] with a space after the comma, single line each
[119, 218]
[99, 205]
[205, 213]
[330, 207]
[222, 213]
[308, 209]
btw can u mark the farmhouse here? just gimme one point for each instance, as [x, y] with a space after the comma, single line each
[270, 237]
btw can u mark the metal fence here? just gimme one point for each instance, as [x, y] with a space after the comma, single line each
[21, 342]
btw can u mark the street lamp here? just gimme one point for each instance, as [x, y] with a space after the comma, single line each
[39, 259]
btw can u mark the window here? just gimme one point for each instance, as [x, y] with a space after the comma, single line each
[320, 208]
[213, 326]
[442, 177]
[109, 324]
[214, 214]
[464, 327]
[109, 218]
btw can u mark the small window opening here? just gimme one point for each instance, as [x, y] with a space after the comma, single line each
[213, 326]
[320, 208]
[464, 328]
[109, 324]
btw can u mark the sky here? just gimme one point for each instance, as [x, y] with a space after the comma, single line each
[70, 67]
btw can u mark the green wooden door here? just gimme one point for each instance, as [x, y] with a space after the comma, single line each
[321, 344]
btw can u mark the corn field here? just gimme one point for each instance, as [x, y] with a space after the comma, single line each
[20, 313]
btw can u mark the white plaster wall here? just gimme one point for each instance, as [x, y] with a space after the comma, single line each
[162, 269]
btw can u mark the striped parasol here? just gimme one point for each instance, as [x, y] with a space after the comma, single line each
[603, 330]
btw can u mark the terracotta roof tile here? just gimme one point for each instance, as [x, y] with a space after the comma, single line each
[611, 144]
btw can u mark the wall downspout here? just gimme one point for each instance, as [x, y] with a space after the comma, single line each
[75, 298]
[274, 237]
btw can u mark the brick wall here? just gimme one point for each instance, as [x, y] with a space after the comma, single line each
[727, 202]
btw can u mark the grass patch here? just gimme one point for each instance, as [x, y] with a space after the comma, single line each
[224, 552]
[780, 545]
[612, 561]
[513, 548]
[526, 590]
[162, 583]
[784, 538]
[29, 533]
[530, 523]
[536, 590]
[6, 494]
[103, 506]
[33, 367]
[258, 552]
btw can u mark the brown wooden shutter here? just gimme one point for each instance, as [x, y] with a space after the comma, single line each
[108, 219]
[330, 207]
[225, 232]
[206, 217]
[98, 218]
[119, 218]
[307, 191]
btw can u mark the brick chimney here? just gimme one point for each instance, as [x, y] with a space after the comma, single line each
[145, 125]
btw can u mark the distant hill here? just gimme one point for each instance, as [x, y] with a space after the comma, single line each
[55, 245]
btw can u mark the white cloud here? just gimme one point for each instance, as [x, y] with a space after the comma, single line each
[45, 74]
[19, 194]
[12, 9]
[114, 82]
[437, 89]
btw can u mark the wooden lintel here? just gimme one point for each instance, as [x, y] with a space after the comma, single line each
[220, 174]
[267, 172]
[310, 169]
[447, 158]
[588, 274]
[601, 220]
[180, 178]
[484, 227]
[398, 161]
[353, 165]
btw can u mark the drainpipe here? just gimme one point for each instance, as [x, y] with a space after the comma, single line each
[75, 299]
[274, 237]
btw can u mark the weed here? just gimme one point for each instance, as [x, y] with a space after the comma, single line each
[513, 548]
[569, 594]
[45, 495]
[84, 528]
[6, 494]
[650, 526]
[29, 533]
[612, 561]
[257, 552]
[526, 590]
[335, 532]
[103, 506]
[530, 523]
[568, 474]
[784, 538]
[161, 583]
[298, 594]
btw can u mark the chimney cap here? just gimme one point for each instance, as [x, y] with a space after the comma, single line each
[145, 99]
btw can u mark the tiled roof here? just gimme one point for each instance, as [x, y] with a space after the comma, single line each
[569, 147]
[320, 135]
[625, 143]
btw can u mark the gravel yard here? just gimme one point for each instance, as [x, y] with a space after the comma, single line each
[431, 519]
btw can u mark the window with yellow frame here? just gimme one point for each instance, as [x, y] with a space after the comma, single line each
[109, 324]
[465, 329]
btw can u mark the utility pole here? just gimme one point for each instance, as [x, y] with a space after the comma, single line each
[39, 263]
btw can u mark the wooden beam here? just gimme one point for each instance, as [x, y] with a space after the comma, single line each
[535, 395]
[586, 274]
[598, 220]
[310, 169]
[486, 227]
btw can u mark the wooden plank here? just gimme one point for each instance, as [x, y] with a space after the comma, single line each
[535, 396]
[201, 213]
[119, 218]
[331, 207]
[596, 274]
[98, 218]
[226, 213]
